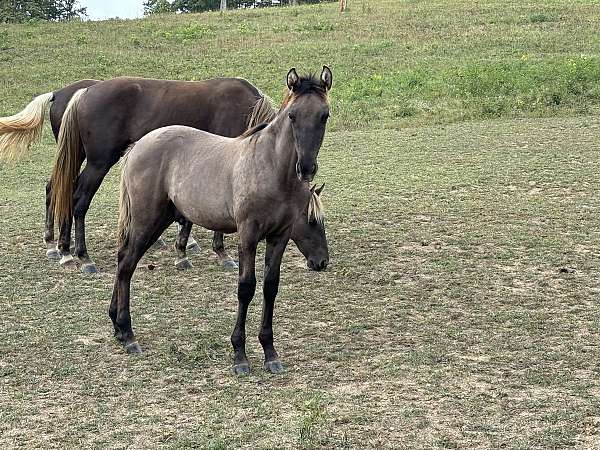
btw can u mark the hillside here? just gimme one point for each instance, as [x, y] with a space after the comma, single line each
[396, 63]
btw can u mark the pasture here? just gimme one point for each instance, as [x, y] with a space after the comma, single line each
[462, 197]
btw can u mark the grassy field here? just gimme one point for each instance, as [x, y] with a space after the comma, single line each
[459, 309]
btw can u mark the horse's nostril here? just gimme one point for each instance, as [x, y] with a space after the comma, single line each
[317, 266]
[321, 265]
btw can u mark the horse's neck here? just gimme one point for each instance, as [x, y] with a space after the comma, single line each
[284, 149]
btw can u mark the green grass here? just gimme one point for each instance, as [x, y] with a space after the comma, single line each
[445, 320]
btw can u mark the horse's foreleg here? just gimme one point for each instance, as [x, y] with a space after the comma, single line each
[51, 249]
[246, 288]
[274, 253]
[219, 249]
[182, 263]
[87, 185]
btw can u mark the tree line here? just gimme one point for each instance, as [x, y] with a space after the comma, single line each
[194, 6]
[12, 11]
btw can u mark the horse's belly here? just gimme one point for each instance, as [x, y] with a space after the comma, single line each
[207, 213]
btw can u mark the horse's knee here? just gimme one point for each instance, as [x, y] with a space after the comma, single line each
[246, 290]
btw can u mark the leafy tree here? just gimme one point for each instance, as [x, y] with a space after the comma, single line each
[157, 7]
[23, 10]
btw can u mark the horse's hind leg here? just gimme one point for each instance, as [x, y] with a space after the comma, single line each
[64, 242]
[51, 249]
[192, 246]
[182, 263]
[87, 185]
[219, 249]
[137, 244]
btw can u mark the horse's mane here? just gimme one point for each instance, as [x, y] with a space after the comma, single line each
[307, 84]
[315, 207]
[254, 129]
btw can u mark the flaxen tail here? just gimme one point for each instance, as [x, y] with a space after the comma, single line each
[68, 161]
[18, 132]
[124, 211]
[262, 112]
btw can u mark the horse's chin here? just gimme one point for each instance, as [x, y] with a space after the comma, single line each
[305, 178]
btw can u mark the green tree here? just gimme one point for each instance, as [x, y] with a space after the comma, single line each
[157, 7]
[23, 10]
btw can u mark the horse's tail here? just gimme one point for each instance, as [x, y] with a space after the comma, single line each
[262, 112]
[68, 160]
[124, 211]
[19, 131]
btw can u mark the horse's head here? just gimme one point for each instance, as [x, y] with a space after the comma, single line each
[308, 233]
[307, 111]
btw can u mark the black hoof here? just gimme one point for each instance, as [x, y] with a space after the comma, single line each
[241, 369]
[89, 268]
[230, 265]
[133, 348]
[193, 248]
[183, 264]
[53, 254]
[274, 366]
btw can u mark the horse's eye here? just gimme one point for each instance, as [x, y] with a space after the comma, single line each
[292, 117]
[324, 117]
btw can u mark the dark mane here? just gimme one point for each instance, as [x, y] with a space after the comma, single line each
[253, 130]
[309, 83]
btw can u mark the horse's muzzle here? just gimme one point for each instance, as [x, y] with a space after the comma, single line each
[317, 265]
[306, 175]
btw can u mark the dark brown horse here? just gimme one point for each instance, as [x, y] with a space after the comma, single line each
[255, 184]
[102, 119]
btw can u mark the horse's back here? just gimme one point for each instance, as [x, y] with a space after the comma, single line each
[122, 110]
[189, 167]
[168, 143]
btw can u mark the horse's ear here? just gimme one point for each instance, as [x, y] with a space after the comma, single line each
[319, 190]
[326, 78]
[293, 80]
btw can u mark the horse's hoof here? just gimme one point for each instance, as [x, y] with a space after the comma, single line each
[52, 254]
[274, 366]
[241, 369]
[183, 264]
[230, 265]
[133, 348]
[193, 248]
[160, 243]
[67, 261]
[89, 268]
